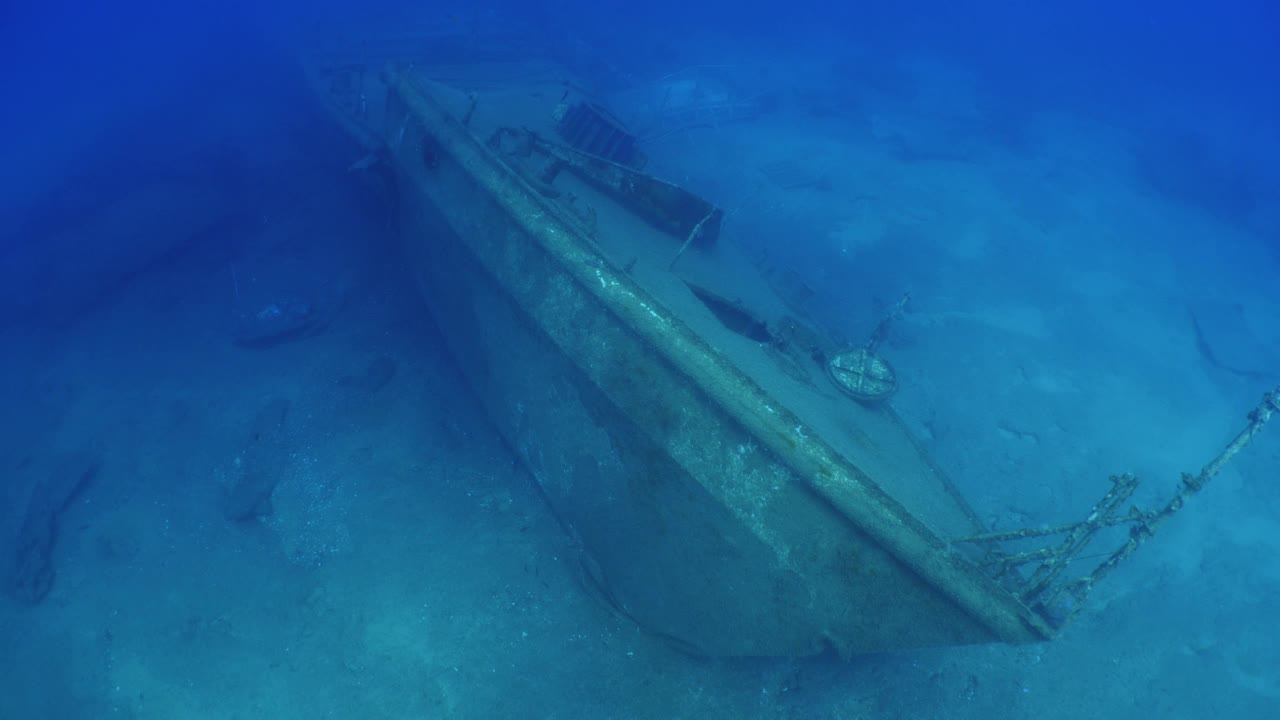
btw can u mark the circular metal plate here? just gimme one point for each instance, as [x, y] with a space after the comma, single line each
[863, 375]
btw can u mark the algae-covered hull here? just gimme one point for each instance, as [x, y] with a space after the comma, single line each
[711, 507]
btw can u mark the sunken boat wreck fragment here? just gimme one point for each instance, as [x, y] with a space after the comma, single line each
[677, 414]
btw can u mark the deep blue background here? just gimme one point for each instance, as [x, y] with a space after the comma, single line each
[96, 94]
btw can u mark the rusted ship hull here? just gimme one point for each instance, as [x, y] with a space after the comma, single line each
[706, 510]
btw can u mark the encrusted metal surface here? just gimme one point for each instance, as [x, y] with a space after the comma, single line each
[863, 375]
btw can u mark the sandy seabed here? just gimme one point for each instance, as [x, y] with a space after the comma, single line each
[409, 568]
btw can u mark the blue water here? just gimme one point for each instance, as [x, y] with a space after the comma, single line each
[1083, 202]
